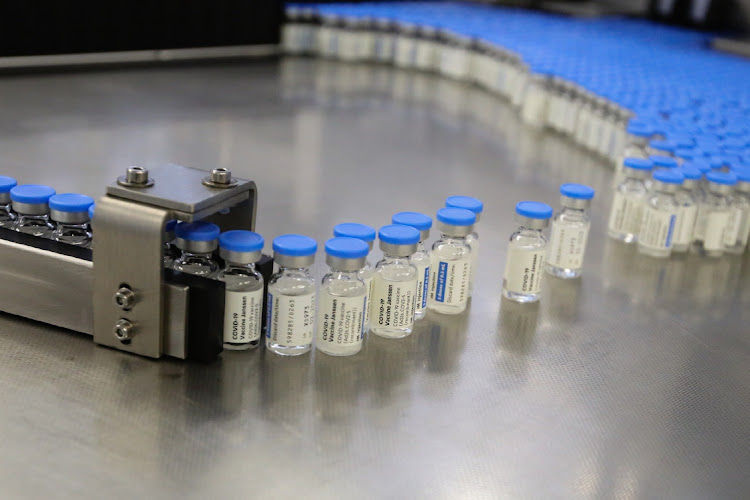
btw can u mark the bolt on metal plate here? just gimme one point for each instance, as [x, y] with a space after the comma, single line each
[136, 177]
[220, 178]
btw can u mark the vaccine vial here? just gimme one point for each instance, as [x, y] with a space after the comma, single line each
[450, 269]
[739, 225]
[30, 202]
[627, 205]
[395, 283]
[716, 211]
[522, 281]
[290, 304]
[342, 298]
[570, 231]
[196, 242]
[243, 299]
[7, 217]
[70, 213]
[660, 214]
[168, 239]
[420, 258]
[474, 205]
[367, 234]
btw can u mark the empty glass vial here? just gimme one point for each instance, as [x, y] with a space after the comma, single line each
[522, 281]
[30, 202]
[687, 209]
[169, 253]
[243, 299]
[475, 205]
[736, 235]
[367, 234]
[627, 205]
[716, 211]
[570, 231]
[395, 283]
[343, 298]
[421, 258]
[660, 214]
[290, 304]
[70, 213]
[450, 269]
[7, 217]
[196, 242]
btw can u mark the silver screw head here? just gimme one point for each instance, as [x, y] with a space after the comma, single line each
[124, 330]
[220, 178]
[124, 298]
[136, 177]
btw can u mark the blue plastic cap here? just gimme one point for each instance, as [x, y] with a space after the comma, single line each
[7, 183]
[577, 191]
[691, 173]
[534, 210]
[725, 178]
[398, 234]
[347, 248]
[91, 211]
[31, 193]
[295, 245]
[169, 227]
[197, 231]
[70, 202]
[353, 230]
[701, 165]
[640, 130]
[669, 176]
[416, 220]
[638, 163]
[465, 202]
[742, 173]
[456, 216]
[716, 162]
[663, 145]
[663, 161]
[241, 241]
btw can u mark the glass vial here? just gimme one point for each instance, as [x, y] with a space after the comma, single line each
[243, 299]
[7, 217]
[716, 211]
[450, 269]
[570, 231]
[627, 205]
[475, 205]
[522, 281]
[196, 242]
[70, 213]
[367, 234]
[687, 209]
[290, 304]
[395, 283]
[736, 235]
[660, 214]
[91, 210]
[420, 258]
[30, 202]
[343, 298]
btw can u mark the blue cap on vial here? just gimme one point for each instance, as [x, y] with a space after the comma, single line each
[669, 176]
[638, 163]
[170, 226]
[723, 178]
[457, 222]
[577, 191]
[70, 203]
[242, 247]
[663, 145]
[534, 210]
[91, 211]
[31, 194]
[661, 161]
[398, 240]
[6, 184]
[465, 202]
[197, 231]
[701, 165]
[418, 221]
[344, 247]
[743, 174]
[354, 230]
[691, 172]
[294, 245]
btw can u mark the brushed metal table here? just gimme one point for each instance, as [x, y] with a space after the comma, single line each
[633, 382]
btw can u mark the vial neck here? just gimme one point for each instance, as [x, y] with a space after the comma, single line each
[574, 211]
[451, 238]
[283, 269]
[236, 265]
[529, 231]
[340, 274]
[196, 255]
[421, 247]
[395, 259]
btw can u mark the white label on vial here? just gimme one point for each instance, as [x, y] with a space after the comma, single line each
[290, 319]
[716, 223]
[242, 316]
[423, 280]
[368, 284]
[626, 215]
[393, 302]
[523, 270]
[452, 280]
[683, 233]
[566, 245]
[734, 226]
[474, 245]
[340, 321]
[657, 229]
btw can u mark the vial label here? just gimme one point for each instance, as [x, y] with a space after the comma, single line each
[523, 270]
[393, 302]
[340, 321]
[683, 233]
[626, 215]
[657, 229]
[242, 318]
[474, 245]
[290, 319]
[423, 280]
[716, 223]
[368, 284]
[745, 230]
[734, 227]
[567, 244]
[701, 220]
[452, 280]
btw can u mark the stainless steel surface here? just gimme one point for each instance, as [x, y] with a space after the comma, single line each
[129, 252]
[631, 382]
[176, 300]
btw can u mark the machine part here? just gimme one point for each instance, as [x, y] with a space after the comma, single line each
[124, 330]
[220, 178]
[124, 298]
[135, 177]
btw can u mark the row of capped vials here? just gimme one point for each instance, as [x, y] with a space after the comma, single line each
[673, 209]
